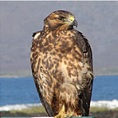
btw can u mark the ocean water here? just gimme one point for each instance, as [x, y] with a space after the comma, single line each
[22, 91]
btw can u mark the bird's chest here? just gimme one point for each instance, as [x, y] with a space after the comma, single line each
[57, 44]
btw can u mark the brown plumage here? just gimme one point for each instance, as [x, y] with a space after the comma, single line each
[61, 62]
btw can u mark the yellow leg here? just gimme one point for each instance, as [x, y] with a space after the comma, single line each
[62, 114]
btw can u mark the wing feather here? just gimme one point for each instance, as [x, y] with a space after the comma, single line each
[35, 65]
[87, 59]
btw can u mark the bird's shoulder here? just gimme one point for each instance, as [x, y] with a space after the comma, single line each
[37, 34]
[78, 40]
[83, 41]
[37, 37]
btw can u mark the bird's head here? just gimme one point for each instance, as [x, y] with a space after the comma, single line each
[60, 19]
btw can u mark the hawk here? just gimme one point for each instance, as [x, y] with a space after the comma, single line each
[61, 62]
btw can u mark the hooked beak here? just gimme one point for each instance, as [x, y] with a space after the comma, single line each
[72, 21]
[75, 23]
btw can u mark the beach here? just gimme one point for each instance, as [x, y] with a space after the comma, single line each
[38, 111]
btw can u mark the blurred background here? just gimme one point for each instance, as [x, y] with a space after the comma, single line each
[98, 21]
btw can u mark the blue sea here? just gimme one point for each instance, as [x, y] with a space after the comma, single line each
[22, 91]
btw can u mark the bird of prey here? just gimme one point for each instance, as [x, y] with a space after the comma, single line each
[61, 62]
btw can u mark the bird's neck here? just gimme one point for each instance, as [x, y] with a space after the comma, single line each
[58, 28]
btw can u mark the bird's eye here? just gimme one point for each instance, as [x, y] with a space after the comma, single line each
[61, 18]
